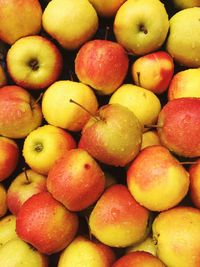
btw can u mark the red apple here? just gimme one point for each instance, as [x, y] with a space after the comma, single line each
[46, 224]
[9, 158]
[76, 180]
[102, 64]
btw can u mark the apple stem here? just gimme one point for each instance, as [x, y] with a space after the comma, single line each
[138, 76]
[106, 33]
[188, 162]
[81, 106]
[26, 175]
[71, 75]
[152, 126]
[39, 98]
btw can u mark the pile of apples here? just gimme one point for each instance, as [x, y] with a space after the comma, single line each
[99, 133]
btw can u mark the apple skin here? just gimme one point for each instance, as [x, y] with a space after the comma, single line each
[26, 256]
[182, 4]
[22, 187]
[23, 113]
[3, 78]
[45, 145]
[178, 246]
[58, 110]
[26, 19]
[34, 62]
[115, 138]
[9, 159]
[156, 179]
[153, 71]
[102, 64]
[145, 28]
[185, 83]
[87, 253]
[138, 259]
[117, 220]
[76, 180]
[185, 51]
[3, 205]
[74, 23]
[7, 229]
[42, 219]
[150, 138]
[179, 126]
[148, 245]
[194, 172]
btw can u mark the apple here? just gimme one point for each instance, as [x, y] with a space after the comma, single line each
[22, 187]
[16, 252]
[185, 83]
[153, 71]
[106, 8]
[76, 180]
[177, 233]
[194, 172]
[74, 23]
[141, 26]
[84, 252]
[150, 138]
[9, 158]
[46, 224]
[34, 62]
[3, 205]
[117, 220]
[59, 111]
[179, 126]
[183, 39]
[113, 136]
[102, 64]
[19, 18]
[182, 4]
[45, 145]
[143, 103]
[19, 112]
[7, 229]
[3, 78]
[156, 179]
[148, 245]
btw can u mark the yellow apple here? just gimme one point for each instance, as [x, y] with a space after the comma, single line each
[183, 39]
[59, 111]
[142, 102]
[71, 23]
[3, 205]
[148, 245]
[141, 26]
[3, 78]
[150, 138]
[7, 229]
[182, 4]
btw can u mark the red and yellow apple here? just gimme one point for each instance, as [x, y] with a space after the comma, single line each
[106, 8]
[3, 204]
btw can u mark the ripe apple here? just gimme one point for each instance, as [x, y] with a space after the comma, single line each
[182, 4]
[7, 229]
[153, 71]
[19, 18]
[138, 259]
[183, 39]
[3, 205]
[150, 138]
[179, 126]
[147, 245]
[45, 145]
[102, 64]
[9, 151]
[59, 111]
[117, 220]
[3, 78]
[76, 180]
[84, 252]
[22, 187]
[113, 136]
[74, 22]
[19, 112]
[177, 232]
[194, 172]
[46, 224]
[156, 179]
[106, 8]
[34, 62]
[142, 102]
[185, 83]
[141, 26]
[18, 253]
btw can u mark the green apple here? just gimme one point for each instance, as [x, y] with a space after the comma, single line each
[141, 26]
[34, 62]
[19, 18]
[7, 229]
[71, 23]
[183, 39]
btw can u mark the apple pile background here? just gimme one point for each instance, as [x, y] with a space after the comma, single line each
[105, 30]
